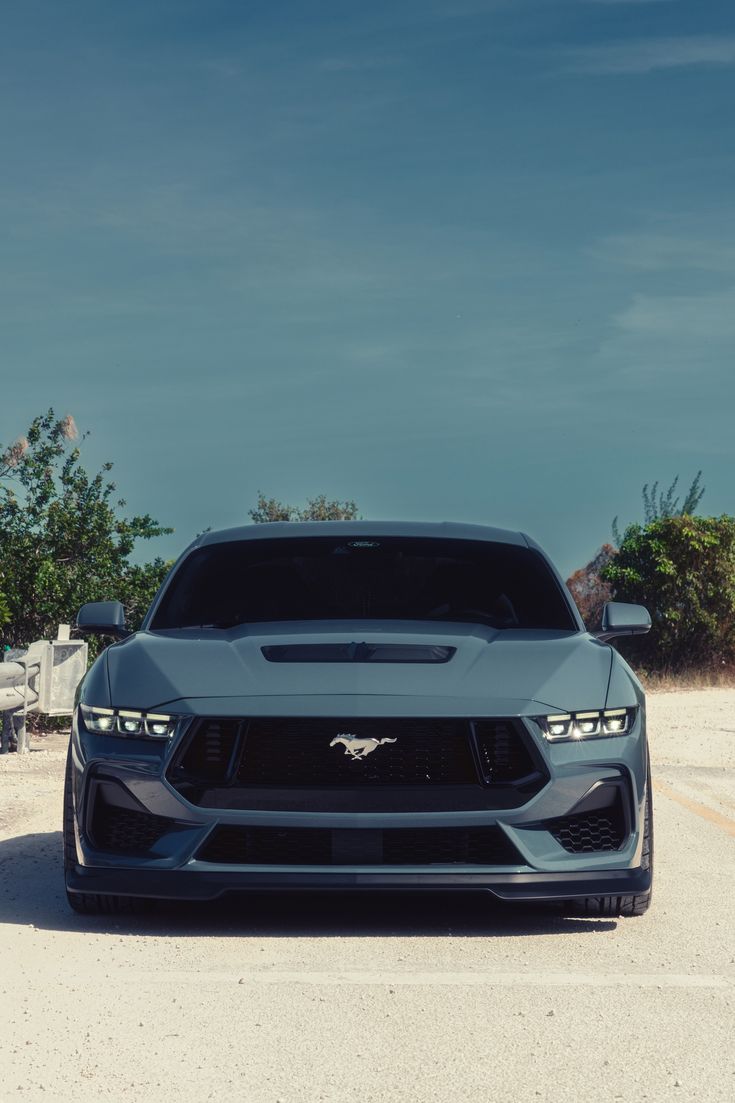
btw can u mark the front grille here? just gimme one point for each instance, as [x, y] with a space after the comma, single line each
[125, 830]
[586, 832]
[359, 847]
[356, 764]
[299, 752]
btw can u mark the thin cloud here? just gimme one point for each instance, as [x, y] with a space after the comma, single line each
[651, 54]
[357, 64]
[662, 251]
[626, 1]
[672, 337]
[708, 318]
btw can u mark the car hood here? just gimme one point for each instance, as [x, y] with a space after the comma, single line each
[221, 672]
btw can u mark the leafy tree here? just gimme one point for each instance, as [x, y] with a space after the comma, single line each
[63, 540]
[589, 590]
[316, 509]
[658, 505]
[682, 568]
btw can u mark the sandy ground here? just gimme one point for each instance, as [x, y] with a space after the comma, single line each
[352, 999]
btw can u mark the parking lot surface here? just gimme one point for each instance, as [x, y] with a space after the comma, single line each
[370, 998]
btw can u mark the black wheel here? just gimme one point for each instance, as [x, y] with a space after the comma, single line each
[89, 903]
[624, 905]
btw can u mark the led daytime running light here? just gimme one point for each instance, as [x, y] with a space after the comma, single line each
[128, 722]
[595, 723]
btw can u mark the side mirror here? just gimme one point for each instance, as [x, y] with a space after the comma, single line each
[621, 619]
[102, 618]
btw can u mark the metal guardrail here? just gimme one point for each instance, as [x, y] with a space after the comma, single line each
[43, 678]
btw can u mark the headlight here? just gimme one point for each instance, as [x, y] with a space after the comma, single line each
[599, 723]
[129, 722]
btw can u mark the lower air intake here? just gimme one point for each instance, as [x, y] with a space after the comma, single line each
[590, 832]
[233, 845]
[124, 830]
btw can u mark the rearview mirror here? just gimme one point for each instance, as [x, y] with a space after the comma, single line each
[102, 618]
[621, 619]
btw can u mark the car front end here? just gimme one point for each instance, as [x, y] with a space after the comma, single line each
[369, 753]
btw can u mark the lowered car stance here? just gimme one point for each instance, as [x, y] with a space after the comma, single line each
[355, 705]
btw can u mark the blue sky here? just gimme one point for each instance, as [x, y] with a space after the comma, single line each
[453, 259]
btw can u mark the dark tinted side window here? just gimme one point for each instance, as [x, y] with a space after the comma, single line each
[391, 578]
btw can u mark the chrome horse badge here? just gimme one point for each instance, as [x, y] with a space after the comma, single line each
[356, 747]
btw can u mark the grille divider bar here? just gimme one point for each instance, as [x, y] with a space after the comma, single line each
[482, 777]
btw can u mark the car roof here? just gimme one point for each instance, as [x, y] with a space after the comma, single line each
[448, 530]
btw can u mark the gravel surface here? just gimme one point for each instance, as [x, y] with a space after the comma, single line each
[350, 998]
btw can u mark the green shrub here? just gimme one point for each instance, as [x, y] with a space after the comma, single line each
[682, 569]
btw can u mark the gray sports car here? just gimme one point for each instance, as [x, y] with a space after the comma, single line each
[359, 705]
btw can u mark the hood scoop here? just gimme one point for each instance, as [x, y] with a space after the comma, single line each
[357, 653]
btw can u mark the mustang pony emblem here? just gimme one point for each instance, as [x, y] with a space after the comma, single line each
[356, 747]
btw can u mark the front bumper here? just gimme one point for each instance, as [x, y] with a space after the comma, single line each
[542, 869]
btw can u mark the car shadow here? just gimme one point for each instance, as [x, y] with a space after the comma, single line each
[32, 894]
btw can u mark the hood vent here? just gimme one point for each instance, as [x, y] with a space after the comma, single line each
[357, 653]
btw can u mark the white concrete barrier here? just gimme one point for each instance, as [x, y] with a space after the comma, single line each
[42, 679]
[12, 686]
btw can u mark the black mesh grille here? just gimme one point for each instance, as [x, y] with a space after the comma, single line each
[603, 829]
[469, 845]
[299, 752]
[210, 750]
[503, 755]
[393, 846]
[268, 846]
[401, 764]
[125, 831]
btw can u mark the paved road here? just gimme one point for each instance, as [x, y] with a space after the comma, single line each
[352, 999]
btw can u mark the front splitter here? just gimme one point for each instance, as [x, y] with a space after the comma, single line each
[182, 884]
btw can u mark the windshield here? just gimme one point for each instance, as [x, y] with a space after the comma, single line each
[323, 578]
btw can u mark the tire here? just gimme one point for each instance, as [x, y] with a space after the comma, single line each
[624, 906]
[89, 903]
